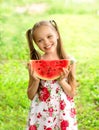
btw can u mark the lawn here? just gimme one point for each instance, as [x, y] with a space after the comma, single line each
[80, 33]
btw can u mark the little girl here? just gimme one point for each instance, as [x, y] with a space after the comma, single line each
[52, 105]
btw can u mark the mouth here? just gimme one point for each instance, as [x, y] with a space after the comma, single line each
[48, 47]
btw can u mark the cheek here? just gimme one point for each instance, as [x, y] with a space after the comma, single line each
[41, 48]
[56, 41]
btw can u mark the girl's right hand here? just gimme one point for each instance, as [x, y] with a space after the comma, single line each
[32, 73]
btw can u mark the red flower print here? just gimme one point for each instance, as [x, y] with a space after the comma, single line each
[73, 112]
[44, 110]
[33, 127]
[49, 128]
[54, 119]
[44, 94]
[57, 89]
[69, 98]
[50, 111]
[49, 121]
[63, 114]
[39, 115]
[44, 127]
[62, 104]
[53, 81]
[64, 124]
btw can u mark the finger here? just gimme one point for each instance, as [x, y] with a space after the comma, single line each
[63, 75]
[27, 65]
[32, 72]
[69, 68]
[65, 71]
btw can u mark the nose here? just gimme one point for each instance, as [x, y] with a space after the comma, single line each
[46, 41]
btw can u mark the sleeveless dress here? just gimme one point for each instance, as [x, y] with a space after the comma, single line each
[52, 109]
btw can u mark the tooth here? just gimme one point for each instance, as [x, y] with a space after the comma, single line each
[48, 46]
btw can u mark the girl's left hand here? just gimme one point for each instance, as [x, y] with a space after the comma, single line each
[64, 74]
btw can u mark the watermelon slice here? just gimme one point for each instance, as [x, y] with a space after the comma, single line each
[49, 69]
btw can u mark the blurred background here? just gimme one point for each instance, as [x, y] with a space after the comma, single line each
[78, 22]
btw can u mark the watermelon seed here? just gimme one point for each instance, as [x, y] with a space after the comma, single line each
[37, 61]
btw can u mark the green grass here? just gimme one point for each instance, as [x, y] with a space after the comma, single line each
[80, 33]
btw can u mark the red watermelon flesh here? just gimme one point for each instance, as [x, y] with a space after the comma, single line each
[49, 69]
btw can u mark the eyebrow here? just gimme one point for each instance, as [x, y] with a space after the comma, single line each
[47, 35]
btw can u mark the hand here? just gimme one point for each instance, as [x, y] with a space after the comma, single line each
[32, 73]
[65, 73]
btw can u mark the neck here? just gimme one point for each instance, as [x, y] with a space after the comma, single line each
[50, 56]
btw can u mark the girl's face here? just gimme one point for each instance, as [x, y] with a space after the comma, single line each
[46, 38]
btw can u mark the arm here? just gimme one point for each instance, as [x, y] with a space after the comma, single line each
[69, 88]
[33, 84]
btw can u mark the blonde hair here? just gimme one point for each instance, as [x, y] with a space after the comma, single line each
[35, 55]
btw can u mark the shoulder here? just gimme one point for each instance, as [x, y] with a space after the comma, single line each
[73, 60]
[72, 64]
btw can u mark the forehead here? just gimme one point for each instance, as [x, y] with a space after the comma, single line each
[43, 29]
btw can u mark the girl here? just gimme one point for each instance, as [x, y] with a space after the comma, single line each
[52, 105]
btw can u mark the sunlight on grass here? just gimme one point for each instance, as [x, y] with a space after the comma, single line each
[79, 27]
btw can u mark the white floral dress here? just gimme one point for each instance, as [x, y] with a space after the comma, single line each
[52, 109]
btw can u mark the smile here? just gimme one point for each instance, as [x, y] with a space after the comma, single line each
[48, 47]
